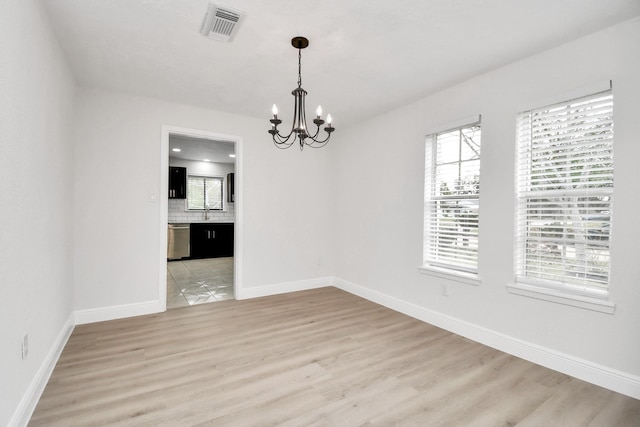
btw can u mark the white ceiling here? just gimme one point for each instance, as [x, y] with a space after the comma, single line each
[365, 56]
[200, 149]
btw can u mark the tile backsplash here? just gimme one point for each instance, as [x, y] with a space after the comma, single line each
[178, 213]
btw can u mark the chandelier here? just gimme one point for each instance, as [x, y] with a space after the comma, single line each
[299, 126]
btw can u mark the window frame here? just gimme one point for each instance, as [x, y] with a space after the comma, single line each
[431, 263]
[566, 200]
[205, 178]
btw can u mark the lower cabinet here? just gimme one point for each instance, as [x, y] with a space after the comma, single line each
[211, 240]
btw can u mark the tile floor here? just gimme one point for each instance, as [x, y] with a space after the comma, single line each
[199, 281]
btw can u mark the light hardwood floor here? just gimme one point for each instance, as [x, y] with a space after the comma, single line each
[314, 358]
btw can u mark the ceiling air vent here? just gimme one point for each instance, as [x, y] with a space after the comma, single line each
[221, 23]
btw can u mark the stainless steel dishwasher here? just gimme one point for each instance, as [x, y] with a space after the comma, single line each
[178, 241]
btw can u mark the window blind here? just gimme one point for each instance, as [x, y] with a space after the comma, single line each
[564, 182]
[452, 196]
[204, 193]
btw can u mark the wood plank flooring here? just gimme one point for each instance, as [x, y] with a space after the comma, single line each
[314, 358]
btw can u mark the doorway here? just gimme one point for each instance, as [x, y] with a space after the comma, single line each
[211, 164]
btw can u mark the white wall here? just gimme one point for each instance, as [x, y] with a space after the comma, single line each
[117, 227]
[379, 187]
[36, 136]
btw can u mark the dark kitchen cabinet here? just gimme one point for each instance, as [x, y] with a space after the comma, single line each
[211, 240]
[177, 182]
[231, 187]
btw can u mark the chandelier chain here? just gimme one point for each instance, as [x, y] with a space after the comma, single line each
[299, 68]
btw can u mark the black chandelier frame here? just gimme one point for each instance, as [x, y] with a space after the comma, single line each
[299, 125]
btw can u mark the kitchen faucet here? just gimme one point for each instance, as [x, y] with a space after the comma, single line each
[206, 212]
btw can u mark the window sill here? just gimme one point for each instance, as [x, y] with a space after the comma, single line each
[445, 273]
[560, 297]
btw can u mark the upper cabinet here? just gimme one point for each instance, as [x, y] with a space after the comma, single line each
[230, 187]
[177, 182]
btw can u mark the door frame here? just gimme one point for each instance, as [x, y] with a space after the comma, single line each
[167, 131]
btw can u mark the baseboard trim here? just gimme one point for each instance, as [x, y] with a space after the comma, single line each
[283, 288]
[602, 376]
[30, 399]
[117, 312]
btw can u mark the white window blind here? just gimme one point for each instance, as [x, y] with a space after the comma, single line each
[564, 182]
[452, 197]
[204, 193]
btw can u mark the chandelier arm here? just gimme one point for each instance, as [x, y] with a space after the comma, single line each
[315, 135]
[283, 145]
[322, 141]
[318, 145]
[276, 132]
[280, 139]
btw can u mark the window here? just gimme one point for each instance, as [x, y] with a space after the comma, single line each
[451, 202]
[204, 192]
[564, 185]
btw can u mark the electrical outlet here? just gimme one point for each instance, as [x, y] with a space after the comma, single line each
[25, 346]
[444, 290]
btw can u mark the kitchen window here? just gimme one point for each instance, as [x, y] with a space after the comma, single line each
[204, 192]
[451, 203]
[564, 182]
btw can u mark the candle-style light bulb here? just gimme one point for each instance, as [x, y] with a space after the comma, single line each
[319, 111]
[329, 119]
[274, 110]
